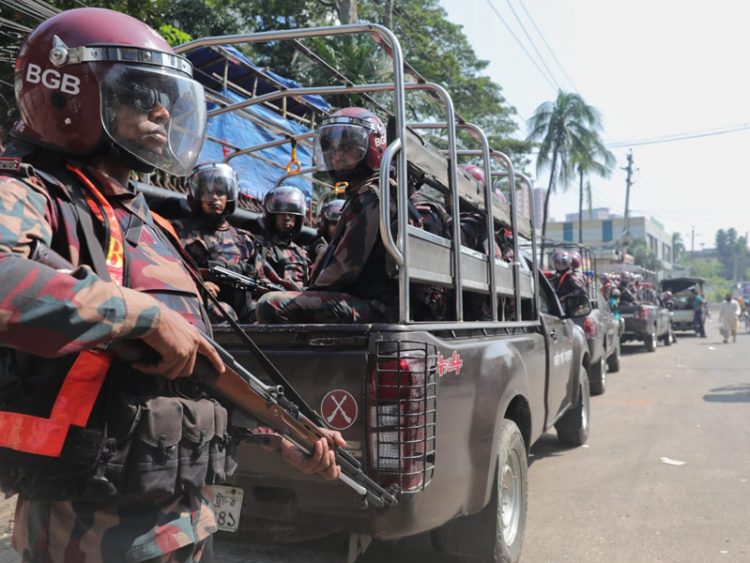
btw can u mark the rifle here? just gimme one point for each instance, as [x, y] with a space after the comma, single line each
[240, 389]
[225, 276]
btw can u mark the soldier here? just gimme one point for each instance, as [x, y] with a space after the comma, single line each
[210, 240]
[354, 281]
[279, 258]
[328, 218]
[565, 281]
[95, 445]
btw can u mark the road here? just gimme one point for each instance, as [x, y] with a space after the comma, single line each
[665, 476]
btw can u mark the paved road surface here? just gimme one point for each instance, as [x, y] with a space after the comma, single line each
[665, 476]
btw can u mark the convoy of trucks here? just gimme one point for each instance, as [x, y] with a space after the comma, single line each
[443, 412]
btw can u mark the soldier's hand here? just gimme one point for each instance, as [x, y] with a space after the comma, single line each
[212, 288]
[178, 343]
[322, 459]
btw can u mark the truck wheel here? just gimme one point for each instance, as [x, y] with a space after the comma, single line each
[668, 338]
[495, 534]
[573, 427]
[650, 342]
[613, 362]
[598, 378]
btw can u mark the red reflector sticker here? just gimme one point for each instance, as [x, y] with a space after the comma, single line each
[339, 409]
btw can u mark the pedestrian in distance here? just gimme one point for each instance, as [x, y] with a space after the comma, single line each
[96, 447]
[699, 304]
[729, 318]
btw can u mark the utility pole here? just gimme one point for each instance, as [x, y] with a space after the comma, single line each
[628, 183]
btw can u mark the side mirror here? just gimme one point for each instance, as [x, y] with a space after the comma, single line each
[576, 306]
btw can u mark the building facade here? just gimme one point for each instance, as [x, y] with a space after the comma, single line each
[604, 233]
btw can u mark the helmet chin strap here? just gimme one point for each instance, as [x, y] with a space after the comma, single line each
[114, 151]
[360, 172]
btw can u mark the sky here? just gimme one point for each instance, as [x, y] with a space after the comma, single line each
[654, 69]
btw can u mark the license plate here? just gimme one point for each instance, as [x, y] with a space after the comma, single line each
[228, 507]
[628, 316]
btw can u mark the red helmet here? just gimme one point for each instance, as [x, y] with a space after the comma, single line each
[284, 199]
[213, 178]
[86, 59]
[561, 260]
[575, 259]
[348, 137]
[474, 171]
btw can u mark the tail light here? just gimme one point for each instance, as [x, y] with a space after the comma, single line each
[642, 313]
[402, 397]
[589, 326]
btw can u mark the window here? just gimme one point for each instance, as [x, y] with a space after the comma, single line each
[606, 231]
[568, 232]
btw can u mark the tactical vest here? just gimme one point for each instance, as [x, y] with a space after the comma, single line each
[143, 435]
[287, 258]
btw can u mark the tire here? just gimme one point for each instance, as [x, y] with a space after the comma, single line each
[495, 534]
[668, 338]
[613, 362]
[598, 378]
[650, 342]
[573, 427]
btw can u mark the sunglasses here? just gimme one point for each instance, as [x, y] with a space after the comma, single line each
[144, 98]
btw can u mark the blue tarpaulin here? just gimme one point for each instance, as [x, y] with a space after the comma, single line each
[256, 175]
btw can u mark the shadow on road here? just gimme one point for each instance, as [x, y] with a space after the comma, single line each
[729, 394]
[547, 446]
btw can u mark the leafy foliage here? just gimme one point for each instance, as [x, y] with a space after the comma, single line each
[565, 130]
[643, 255]
[732, 250]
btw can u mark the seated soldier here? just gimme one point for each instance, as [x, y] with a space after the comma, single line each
[279, 258]
[211, 241]
[328, 218]
[565, 281]
[354, 280]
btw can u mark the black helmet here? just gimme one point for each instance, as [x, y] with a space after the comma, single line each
[330, 213]
[284, 199]
[213, 178]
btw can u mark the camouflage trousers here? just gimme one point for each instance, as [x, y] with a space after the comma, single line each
[176, 529]
[281, 307]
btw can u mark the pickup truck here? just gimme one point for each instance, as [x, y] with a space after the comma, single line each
[682, 301]
[441, 411]
[647, 321]
[600, 326]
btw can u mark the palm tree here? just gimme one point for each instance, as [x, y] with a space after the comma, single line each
[595, 159]
[561, 129]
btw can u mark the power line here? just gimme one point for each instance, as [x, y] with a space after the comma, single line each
[549, 48]
[531, 41]
[550, 81]
[681, 136]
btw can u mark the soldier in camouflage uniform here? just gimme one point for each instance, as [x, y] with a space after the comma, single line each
[279, 258]
[211, 241]
[328, 218]
[354, 281]
[102, 452]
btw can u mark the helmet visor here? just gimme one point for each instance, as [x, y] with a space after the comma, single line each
[214, 181]
[285, 199]
[156, 114]
[340, 146]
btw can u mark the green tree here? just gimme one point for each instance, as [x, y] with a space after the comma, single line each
[678, 248]
[643, 255]
[561, 129]
[595, 159]
[732, 251]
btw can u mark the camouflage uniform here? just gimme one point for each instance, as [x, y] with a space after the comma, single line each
[568, 283]
[287, 260]
[354, 281]
[210, 244]
[50, 314]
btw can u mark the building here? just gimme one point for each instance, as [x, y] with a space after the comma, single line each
[604, 233]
